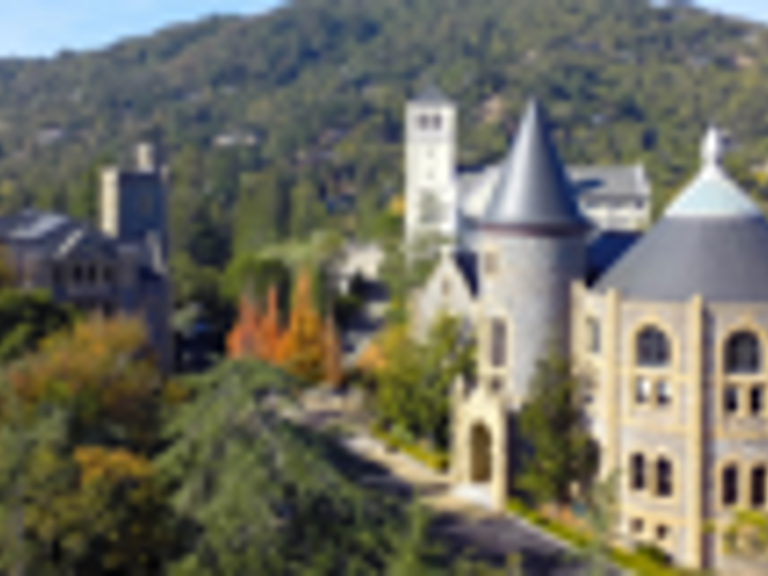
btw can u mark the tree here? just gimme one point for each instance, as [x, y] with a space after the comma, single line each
[242, 341]
[746, 535]
[302, 350]
[332, 365]
[26, 318]
[559, 454]
[301, 511]
[79, 421]
[602, 515]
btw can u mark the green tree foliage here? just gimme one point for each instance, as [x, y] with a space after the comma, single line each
[263, 496]
[560, 457]
[414, 383]
[26, 318]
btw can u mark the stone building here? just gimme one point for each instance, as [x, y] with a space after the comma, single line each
[443, 200]
[671, 335]
[121, 267]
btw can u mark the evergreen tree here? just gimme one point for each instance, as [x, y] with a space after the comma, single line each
[559, 458]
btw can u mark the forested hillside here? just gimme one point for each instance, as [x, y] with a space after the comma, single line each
[263, 116]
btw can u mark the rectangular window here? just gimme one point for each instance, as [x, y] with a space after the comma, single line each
[758, 487]
[757, 401]
[731, 400]
[594, 335]
[643, 390]
[498, 343]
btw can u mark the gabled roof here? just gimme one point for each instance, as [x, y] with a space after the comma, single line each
[711, 241]
[533, 188]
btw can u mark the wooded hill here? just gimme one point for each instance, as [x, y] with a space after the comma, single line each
[263, 115]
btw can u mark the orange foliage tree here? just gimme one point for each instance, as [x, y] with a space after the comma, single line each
[331, 354]
[242, 340]
[270, 330]
[301, 348]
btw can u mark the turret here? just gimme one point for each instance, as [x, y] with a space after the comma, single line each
[533, 246]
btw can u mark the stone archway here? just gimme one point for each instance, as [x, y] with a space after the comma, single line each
[480, 458]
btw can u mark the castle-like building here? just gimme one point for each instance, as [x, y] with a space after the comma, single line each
[670, 332]
[121, 267]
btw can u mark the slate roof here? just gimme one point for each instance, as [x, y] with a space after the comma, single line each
[431, 94]
[610, 181]
[533, 187]
[711, 241]
[467, 264]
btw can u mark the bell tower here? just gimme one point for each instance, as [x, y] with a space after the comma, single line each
[430, 167]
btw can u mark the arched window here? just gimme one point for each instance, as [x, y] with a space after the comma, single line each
[652, 348]
[730, 488]
[637, 472]
[664, 478]
[757, 492]
[742, 354]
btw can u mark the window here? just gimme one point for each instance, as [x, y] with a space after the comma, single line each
[742, 354]
[643, 390]
[637, 526]
[437, 122]
[662, 532]
[731, 400]
[663, 393]
[652, 348]
[491, 264]
[498, 343]
[664, 473]
[497, 385]
[594, 335]
[730, 486]
[757, 496]
[424, 121]
[108, 274]
[446, 286]
[757, 401]
[431, 209]
[637, 468]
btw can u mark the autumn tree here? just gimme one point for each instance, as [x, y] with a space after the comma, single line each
[79, 423]
[242, 339]
[301, 351]
[332, 366]
[270, 330]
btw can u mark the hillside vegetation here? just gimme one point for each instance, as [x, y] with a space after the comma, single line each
[318, 88]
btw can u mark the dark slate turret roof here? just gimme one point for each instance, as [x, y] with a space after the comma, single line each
[431, 94]
[534, 189]
[712, 241]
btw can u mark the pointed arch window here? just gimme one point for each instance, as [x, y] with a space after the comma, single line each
[743, 354]
[652, 348]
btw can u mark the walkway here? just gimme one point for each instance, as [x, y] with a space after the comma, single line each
[461, 521]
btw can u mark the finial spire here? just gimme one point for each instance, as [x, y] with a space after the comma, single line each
[712, 148]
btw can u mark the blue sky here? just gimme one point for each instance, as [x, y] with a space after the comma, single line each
[42, 27]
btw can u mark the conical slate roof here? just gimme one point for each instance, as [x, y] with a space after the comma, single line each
[711, 241]
[533, 188]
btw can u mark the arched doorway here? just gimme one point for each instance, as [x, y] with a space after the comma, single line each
[481, 463]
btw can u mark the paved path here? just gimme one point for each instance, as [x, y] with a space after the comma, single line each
[464, 523]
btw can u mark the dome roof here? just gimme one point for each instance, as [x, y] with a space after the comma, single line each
[533, 188]
[711, 241]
